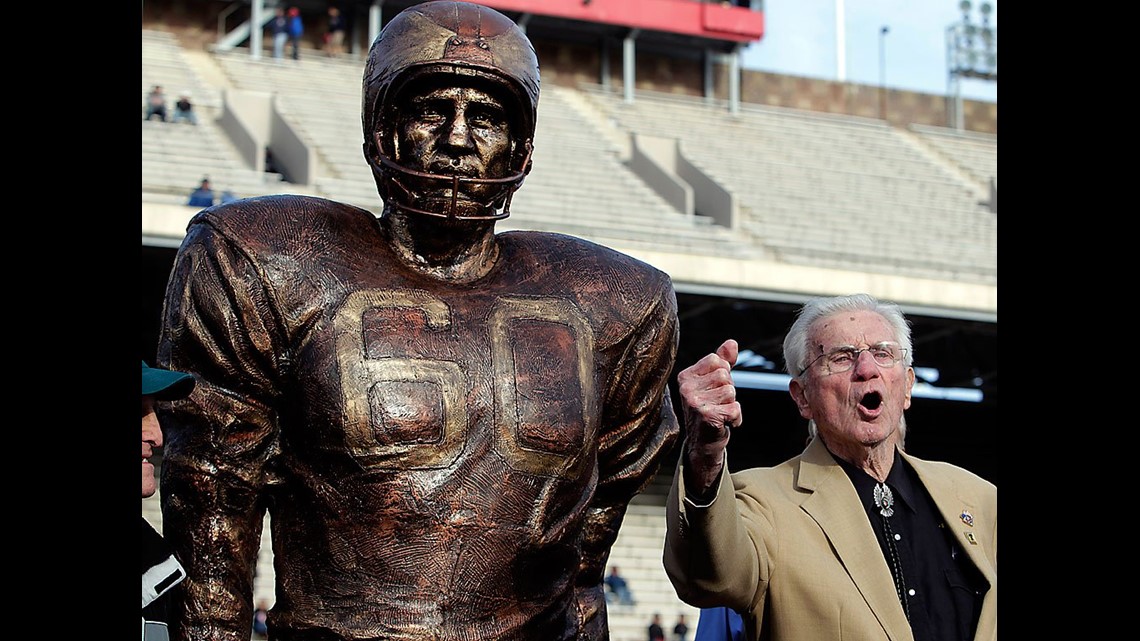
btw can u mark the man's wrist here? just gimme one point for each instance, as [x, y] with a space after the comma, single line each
[701, 473]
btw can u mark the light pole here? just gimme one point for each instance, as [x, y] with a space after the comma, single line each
[971, 53]
[883, 71]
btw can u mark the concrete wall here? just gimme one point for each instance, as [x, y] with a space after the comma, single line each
[245, 119]
[654, 160]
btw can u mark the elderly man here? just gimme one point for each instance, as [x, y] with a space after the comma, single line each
[445, 424]
[853, 539]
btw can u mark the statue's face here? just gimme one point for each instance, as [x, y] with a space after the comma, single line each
[454, 130]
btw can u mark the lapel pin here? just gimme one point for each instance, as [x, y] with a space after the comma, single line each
[971, 539]
[967, 518]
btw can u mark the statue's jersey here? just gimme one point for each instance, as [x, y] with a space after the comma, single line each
[439, 461]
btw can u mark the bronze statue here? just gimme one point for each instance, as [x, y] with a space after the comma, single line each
[445, 424]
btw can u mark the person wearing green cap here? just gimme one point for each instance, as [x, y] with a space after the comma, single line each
[161, 571]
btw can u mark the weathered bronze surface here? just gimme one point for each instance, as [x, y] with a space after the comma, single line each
[445, 424]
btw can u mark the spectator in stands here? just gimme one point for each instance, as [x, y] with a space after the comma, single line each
[227, 196]
[203, 196]
[656, 632]
[296, 30]
[447, 423]
[279, 31]
[681, 629]
[156, 104]
[755, 539]
[161, 571]
[618, 588]
[260, 620]
[335, 36]
[184, 109]
[719, 624]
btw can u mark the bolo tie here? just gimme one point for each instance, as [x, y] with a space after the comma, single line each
[885, 501]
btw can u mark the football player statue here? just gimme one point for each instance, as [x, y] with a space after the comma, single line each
[445, 424]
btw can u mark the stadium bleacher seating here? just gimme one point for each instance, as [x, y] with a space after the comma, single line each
[974, 152]
[830, 190]
[569, 153]
[814, 189]
[176, 156]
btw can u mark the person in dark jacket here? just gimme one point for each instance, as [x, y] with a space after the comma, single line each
[184, 109]
[203, 196]
[296, 30]
[656, 632]
[279, 29]
[161, 571]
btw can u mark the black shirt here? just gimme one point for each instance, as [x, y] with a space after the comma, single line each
[944, 589]
[160, 574]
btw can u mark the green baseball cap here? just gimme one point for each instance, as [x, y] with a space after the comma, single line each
[165, 384]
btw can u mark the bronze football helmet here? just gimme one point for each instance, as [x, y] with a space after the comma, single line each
[460, 39]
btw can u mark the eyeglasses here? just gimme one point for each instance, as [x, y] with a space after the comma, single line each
[842, 359]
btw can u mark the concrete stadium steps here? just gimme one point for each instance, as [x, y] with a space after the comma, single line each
[164, 64]
[317, 77]
[177, 155]
[320, 99]
[974, 152]
[799, 174]
[580, 186]
[821, 234]
[637, 553]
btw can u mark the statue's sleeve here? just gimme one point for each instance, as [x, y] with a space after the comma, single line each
[220, 443]
[638, 428]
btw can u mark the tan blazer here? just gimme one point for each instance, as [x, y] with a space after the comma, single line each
[795, 554]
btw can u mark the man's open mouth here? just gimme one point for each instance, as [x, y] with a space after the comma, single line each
[871, 400]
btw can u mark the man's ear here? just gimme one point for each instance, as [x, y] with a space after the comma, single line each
[909, 387]
[799, 395]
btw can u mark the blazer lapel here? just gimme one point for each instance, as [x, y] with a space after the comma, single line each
[835, 507]
[952, 505]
